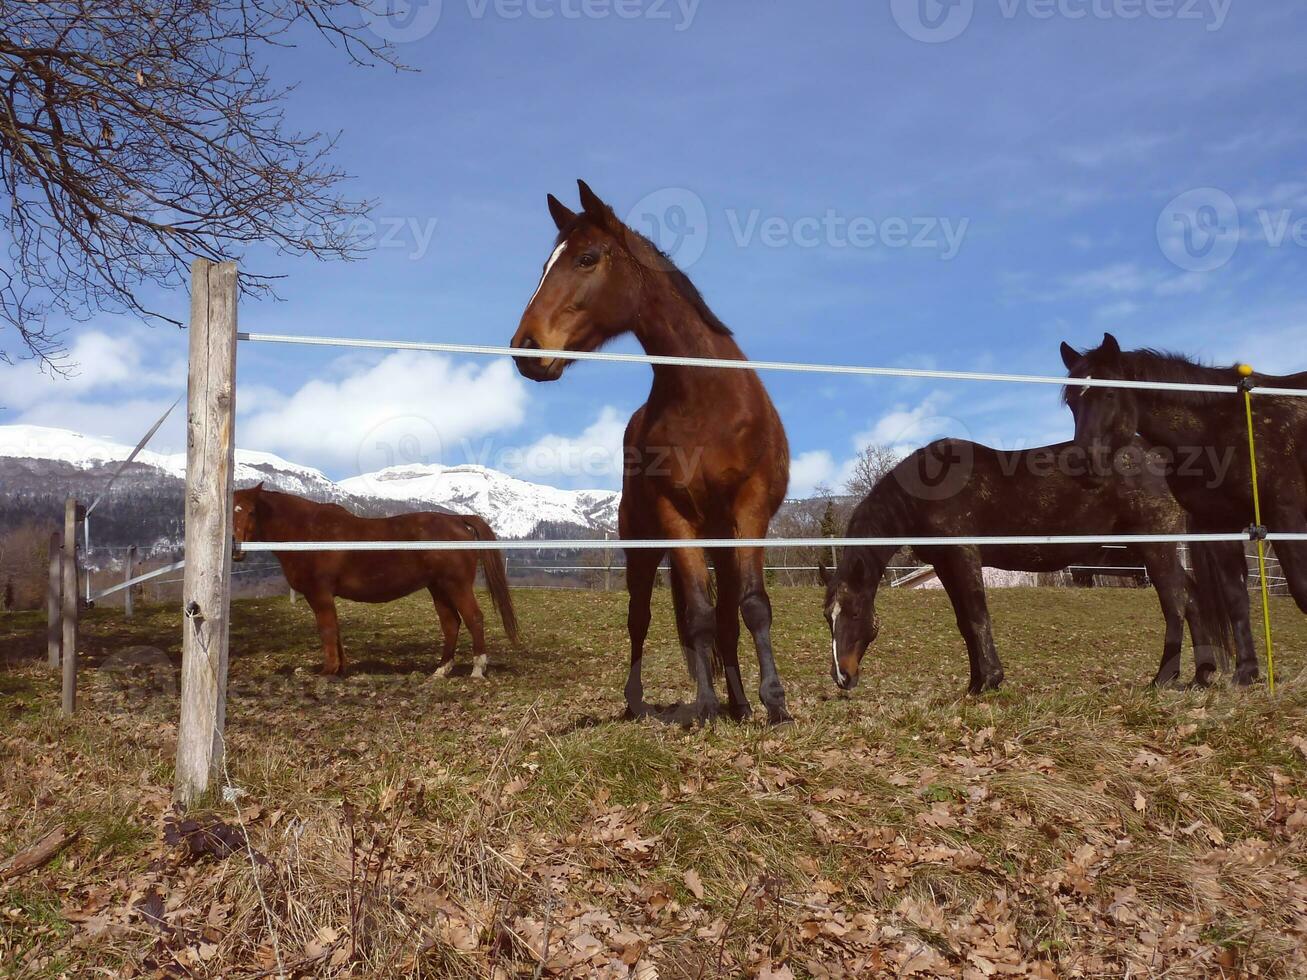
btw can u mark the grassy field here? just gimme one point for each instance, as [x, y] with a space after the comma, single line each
[1074, 824]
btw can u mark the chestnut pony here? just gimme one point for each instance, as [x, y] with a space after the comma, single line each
[379, 576]
[705, 456]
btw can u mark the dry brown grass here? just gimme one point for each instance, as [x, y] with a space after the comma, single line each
[1073, 824]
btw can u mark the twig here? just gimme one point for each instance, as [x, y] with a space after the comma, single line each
[40, 853]
[549, 925]
[721, 948]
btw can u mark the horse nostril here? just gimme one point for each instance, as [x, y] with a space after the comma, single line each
[529, 343]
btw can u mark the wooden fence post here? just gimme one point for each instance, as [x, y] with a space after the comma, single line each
[69, 599]
[128, 606]
[54, 601]
[206, 589]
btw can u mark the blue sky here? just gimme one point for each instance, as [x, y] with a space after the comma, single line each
[901, 182]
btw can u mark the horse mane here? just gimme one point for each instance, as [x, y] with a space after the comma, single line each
[653, 259]
[888, 511]
[1172, 367]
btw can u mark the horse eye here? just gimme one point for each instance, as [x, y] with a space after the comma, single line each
[587, 260]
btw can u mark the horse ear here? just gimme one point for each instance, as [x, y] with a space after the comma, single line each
[257, 488]
[823, 572]
[563, 215]
[591, 203]
[1110, 346]
[1070, 356]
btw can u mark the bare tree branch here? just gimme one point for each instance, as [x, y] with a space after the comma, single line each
[136, 136]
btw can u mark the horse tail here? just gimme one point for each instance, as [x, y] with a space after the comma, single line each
[492, 563]
[1210, 573]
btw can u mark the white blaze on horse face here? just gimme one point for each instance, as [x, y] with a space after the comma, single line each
[1084, 389]
[548, 268]
[834, 644]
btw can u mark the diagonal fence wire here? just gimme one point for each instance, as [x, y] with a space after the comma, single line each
[750, 365]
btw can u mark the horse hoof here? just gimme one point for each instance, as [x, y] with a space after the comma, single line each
[478, 675]
[695, 714]
[637, 711]
[740, 712]
[443, 671]
[779, 718]
[1245, 678]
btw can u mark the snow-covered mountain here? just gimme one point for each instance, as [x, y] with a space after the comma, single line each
[81, 452]
[38, 463]
[513, 507]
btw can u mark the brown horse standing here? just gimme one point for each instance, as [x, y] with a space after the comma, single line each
[705, 456]
[379, 576]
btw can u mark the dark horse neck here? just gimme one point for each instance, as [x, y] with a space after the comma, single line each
[1166, 418]
[887, 512]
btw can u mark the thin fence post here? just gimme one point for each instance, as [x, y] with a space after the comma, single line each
[1258, 531]
[69, 598]
[129, 607]
[54, 601]
[608, 566]
[206, 589]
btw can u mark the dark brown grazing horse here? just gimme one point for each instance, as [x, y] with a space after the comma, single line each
[955, 488]
[706, 455]
[1205, 437]
[379, 576]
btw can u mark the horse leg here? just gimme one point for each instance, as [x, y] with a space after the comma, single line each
[728, 632]
[752, 515]
[641, 572]
[333, 650]
[697, 616]
[1163, 564]
[466, 604]
[755, 608]
[1293, 554]
[449, 627]
[962, 576]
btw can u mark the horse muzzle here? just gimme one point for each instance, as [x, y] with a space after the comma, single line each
[541, 369]
[845, 682]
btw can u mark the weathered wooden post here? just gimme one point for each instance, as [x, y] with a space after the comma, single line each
[206, 589]
[69, 599]
[54, 601]
[128, 606]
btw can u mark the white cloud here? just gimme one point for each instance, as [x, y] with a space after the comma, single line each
[809, 469]
[906, 428]
[591, 459]
[131, 362]
[406, 407]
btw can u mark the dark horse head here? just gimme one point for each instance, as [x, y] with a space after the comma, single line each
[851, 615]
[594, 286]
[245, 517]
[1106, 418]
